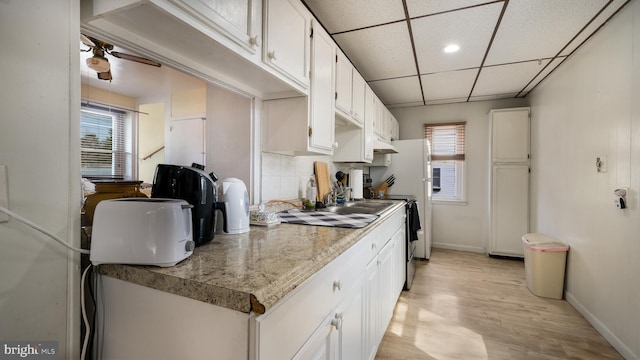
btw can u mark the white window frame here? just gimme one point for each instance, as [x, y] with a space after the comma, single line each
[460, 174]
[125, 119]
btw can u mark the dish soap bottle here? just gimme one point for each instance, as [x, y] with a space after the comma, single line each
[312, 191]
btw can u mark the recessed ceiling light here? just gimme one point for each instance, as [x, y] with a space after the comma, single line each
[451, 48]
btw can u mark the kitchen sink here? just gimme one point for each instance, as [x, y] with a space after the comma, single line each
[360, 207]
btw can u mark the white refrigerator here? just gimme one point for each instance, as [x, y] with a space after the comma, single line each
[413, 176]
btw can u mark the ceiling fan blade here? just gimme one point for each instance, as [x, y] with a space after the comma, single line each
[86, 40]
[105, 75]
[135, 58]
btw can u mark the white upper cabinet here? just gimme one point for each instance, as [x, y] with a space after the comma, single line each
[287, 31]
[222, 40]
[304, 125]
[356, 142]
[357, 98]
[394, 128]
[510, 134]
[322, 120]
[344, 81]
[350, 89]
[239, 21]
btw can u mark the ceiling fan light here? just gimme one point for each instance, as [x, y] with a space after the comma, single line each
[98, 63]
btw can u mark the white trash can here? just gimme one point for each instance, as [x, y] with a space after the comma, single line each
[544, 264]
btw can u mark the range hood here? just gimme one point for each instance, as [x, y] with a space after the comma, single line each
[381, 147]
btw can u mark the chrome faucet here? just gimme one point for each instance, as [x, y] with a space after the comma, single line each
[330, 197]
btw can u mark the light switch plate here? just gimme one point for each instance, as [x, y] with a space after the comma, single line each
[4, 193]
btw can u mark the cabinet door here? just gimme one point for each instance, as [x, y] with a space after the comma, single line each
[369, 117]
[323, 344]
[322, 120]
[386, 286]
[352, 332]
[509, 208]
[344, 80]
[510, 135]
[357, 97]
[372, 309]
[287, 39]
[239, 21]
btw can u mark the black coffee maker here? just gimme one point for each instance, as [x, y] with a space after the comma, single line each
[196, 187]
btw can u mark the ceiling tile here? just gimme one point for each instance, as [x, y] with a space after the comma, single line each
[504, 79]
[610, 10]
[539, 29]
[448, 85]
[422, 8]
[340, 15]
[471, 29]
[398, 91]
[380, 52]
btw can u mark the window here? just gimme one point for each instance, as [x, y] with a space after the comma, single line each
[447, 159]
[105, 143]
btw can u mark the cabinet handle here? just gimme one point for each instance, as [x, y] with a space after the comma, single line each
[272, 55]
[256, 41]
[373, 246]
[337, 284]
[337, 321]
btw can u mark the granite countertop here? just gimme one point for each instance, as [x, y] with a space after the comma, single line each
[251, 271]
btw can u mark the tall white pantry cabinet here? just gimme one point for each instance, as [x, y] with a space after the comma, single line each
[509, 180]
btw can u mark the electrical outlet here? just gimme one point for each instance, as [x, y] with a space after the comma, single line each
[4, 193]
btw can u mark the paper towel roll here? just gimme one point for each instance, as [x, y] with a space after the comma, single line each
[355, 182]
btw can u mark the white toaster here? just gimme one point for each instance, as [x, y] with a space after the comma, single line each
[141, 231]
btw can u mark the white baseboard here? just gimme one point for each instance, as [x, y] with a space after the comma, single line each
[474, 249]
[602, 329]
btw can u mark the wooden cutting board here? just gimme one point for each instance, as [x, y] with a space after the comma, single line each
[321, 169]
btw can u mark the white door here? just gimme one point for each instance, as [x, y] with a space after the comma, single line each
[186, 142]
[510, 208]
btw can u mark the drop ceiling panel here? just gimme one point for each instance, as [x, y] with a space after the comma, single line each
[608, 12]
[505, 79]
[539, 29]
[448, 85]
[398, 91]
[340, 15]
[470, 29]
[422, 8]
[381, 52]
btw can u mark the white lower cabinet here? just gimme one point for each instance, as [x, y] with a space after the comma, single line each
[341, 312]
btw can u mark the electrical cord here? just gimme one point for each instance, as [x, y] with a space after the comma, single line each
[87, 326]
[42, 230]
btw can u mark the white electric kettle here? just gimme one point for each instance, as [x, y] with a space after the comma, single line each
[236, 204]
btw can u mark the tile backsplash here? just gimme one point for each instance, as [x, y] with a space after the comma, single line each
[284, 177]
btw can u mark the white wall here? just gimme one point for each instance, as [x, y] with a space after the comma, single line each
[460, 226]
[589, 107]
[40, 145]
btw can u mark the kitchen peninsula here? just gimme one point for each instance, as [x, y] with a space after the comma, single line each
[287, 291]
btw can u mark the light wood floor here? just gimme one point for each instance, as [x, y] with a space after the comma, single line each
[470, 306]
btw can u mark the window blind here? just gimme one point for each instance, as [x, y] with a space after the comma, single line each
[447, 140]
[103, 142]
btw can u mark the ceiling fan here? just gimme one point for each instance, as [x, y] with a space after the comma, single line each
[99, 62]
